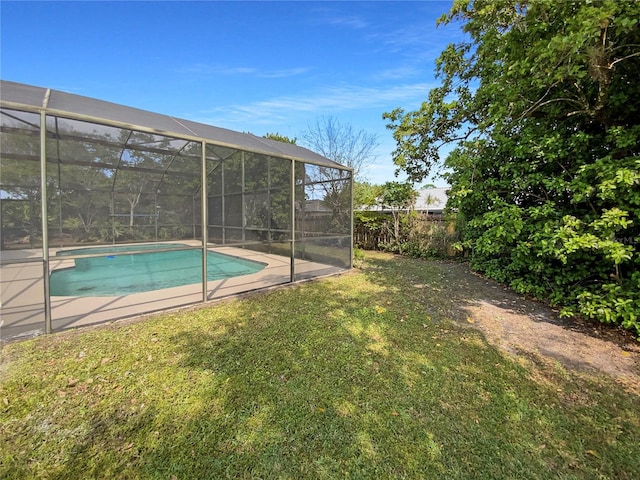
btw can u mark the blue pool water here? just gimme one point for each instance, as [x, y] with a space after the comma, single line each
[122, 273]
[114, 249]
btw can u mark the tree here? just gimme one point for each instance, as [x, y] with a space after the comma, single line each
[341, 143]
[280, 138]
[543, 111]
[20, 200]
[397, 197]
[431, 200]
[366, 194]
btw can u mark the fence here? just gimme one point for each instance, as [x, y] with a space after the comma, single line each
[421, 235]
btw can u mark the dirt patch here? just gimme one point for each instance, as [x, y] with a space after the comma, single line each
[522, 326]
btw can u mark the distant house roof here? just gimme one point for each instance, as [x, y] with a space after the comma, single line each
[431, 200]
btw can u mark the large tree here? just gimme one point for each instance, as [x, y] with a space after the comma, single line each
[542, 104]
[397, 198]
[341, 143]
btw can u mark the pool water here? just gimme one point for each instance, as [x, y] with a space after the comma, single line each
[112, 249]
[121, 273]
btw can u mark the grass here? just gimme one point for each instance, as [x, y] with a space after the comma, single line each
[358, 376]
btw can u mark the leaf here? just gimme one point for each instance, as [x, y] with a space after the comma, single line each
[545, 179]
[593, 453]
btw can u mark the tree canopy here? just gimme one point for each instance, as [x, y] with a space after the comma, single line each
[280, 138]
[542, 105]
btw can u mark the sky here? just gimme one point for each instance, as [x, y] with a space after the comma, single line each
[258, 67]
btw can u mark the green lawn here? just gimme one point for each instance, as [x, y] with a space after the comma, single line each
[357, 376]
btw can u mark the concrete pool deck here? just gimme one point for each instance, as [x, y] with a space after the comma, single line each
[22, 292]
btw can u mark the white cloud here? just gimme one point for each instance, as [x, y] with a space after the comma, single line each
[360, 106]
[397, 73]
[207, 70]
[291, 72]
[330, 100]
[348, 21]
[417, 43]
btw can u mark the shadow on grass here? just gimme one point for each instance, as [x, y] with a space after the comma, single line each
[361, 376]
[454, 287]
[348, 377]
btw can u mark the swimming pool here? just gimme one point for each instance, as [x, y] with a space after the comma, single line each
[119, 272]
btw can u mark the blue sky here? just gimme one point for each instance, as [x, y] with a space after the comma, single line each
[259, 67]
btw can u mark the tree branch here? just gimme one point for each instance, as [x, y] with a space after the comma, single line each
[619, 60]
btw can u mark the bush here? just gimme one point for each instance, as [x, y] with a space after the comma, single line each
[420, 236]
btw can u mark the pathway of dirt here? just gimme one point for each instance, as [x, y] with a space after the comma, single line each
[522, 326]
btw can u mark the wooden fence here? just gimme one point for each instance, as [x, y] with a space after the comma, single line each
[432, 235]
